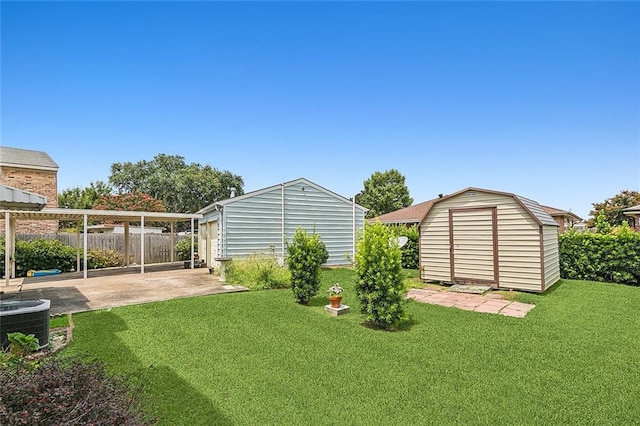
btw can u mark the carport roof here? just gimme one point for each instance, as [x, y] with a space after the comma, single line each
[79, 214]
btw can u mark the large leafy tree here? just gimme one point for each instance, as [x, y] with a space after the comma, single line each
[83, 198]
[184, 188]
[384, 192]
[610, 209]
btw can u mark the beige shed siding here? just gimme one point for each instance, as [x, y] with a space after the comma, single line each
[551, 256]
[518, 240]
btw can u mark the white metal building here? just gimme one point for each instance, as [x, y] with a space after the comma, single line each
[263, 221]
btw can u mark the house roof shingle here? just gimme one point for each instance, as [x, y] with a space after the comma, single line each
[411, 214]
[557, 212]
[26, 158]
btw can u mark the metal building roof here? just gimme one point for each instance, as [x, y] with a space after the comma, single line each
[18, 199]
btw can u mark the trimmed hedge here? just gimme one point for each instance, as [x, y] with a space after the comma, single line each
[41, 254]
[410, 251]
[600, 257]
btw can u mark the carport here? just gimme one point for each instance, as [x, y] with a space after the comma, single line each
[28, 202]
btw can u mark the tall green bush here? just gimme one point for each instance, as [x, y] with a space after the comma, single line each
[380, 287]
[305, 254]
[183, 248]
[613, 257]
[410, 251]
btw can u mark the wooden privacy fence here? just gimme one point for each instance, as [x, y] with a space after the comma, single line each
[157, 246]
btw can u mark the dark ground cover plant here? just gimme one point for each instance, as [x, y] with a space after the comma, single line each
[612, 257]
[305, 254]
[67, 392]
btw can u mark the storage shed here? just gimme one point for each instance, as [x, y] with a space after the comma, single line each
[480, 236]
[263, 221]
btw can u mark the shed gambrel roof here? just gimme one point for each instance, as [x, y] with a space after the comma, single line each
[417, 212]
[304, 181]
[26, 158]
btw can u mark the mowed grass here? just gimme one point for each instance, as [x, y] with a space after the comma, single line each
[260, 358]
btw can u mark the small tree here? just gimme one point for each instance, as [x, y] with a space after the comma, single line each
[305, 254]
[379, 288]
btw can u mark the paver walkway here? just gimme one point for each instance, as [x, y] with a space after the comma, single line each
[490, 303]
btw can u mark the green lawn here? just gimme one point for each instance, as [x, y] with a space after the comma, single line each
[260, 358]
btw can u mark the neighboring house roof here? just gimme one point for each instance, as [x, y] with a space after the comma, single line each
[18, 199]
[411, 214]
[222, 203]
[417, 212]
[26, 158]
[557, 212]
[632, 210]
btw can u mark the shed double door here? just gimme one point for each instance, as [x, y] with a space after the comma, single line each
[473, 241]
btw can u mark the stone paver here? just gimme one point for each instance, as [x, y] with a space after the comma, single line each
[489, 303]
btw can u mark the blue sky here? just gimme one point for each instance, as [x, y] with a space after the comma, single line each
[537, 98]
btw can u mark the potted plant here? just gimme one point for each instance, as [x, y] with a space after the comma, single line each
[335, 295]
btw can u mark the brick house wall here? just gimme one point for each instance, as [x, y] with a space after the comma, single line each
[560, 221]
[41, 182]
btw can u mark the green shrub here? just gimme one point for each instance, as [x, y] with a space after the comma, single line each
[183, 248]
[67, 393]
[410, 251]
[104, 258]
[611, 257]
[41, 254]
[305, 254]
[258, 272]
[379, 286]
[22, 344]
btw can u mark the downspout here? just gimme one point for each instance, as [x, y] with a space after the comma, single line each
[282, 219]
[353, 224]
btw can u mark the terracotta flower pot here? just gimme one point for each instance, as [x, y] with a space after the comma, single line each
[335, 301]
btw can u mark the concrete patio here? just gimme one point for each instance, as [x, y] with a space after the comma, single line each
[108, 288]
[490, 303]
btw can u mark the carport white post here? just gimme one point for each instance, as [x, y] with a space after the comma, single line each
[7, 248]
[141, 244]
[192, 248]
[84, 246]
[78, 223]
